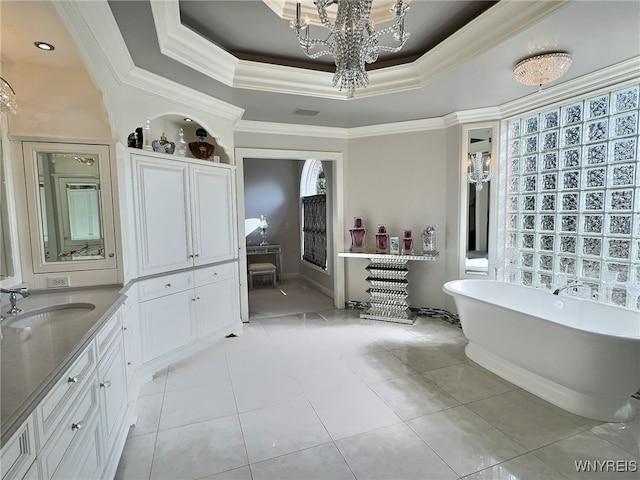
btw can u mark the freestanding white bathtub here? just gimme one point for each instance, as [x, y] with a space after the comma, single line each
[580, 355]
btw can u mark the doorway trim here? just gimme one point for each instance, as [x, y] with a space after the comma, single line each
[337, 239]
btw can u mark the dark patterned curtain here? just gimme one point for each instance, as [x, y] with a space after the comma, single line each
[314, 230]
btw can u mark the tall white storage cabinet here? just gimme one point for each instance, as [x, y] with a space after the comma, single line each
[185, 213]
[185, 227]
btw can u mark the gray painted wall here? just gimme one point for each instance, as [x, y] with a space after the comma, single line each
[271, 188]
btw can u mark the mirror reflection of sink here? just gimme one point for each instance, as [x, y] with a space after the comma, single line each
[50, 315]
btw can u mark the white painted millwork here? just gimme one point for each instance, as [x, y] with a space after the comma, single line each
[214, 211]
[163, 215]
[112, 385]
[166, 324]
[206, 304]
[19, 454]
[217, 298]
[78, 429]
[187, 248]
[185, 213]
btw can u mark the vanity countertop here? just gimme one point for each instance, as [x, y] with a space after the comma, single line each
[33, 358]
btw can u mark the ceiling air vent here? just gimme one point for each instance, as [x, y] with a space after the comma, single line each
[308, 113]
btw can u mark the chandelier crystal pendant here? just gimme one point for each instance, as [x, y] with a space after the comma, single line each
[352, 40]
[478, 169]
[8, 103]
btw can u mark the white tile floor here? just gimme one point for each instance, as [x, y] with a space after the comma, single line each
[329, 396]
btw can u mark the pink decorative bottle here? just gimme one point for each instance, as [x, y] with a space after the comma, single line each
[382, 239]
[358, 235]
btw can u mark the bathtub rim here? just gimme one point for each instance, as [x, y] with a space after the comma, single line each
[447, 288]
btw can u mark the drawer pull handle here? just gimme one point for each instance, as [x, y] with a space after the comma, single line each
[106, 384]
[190, 256]
[73, 380]
[197, 255]
[167, 285]
[76, 426]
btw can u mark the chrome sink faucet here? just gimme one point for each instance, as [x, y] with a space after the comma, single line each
[13, 298]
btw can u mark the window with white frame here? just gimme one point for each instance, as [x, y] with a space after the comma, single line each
[313, 188]
[572, 201]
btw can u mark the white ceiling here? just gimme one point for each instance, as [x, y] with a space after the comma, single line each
[470, 69]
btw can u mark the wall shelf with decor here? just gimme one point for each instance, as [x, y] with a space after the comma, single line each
[389, 290]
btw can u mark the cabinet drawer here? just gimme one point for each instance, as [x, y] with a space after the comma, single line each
[61, 396]
[85, 459]
[19, 453]
[165, 285]
[108, 333]
[85, 410]
[215, 274]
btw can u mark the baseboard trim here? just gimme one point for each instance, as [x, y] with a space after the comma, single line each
[441, 313]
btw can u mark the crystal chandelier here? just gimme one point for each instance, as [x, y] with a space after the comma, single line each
[8, 102]
[478, 169]
[541, 69]
[352, 38]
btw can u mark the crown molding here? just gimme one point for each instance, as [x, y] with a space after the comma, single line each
[493, 26]
[395, 128]
[168, 89]
[187, 47]
[626, 71]
[96, 33]
[270, 128]
[286, 10]
[268, 77]
[92, 26]
[471, 116]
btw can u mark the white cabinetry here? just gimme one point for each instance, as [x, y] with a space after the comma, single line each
[216, 298]
[185, 213]
[112, 384]
[18, 455]
[183, 307]
[166, 324]
[78, 429]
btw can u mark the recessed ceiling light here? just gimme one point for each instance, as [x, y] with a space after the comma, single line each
[188, 120]
[44, 46]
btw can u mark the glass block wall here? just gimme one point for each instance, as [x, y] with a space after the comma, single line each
[573, 196]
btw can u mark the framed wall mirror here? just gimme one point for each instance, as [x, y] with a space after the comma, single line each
[10, 273]
[70, 206]
[478, 192]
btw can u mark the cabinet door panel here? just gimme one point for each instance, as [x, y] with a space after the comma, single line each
[162, 211]
[112, 379]
[216, 305]
[213, 206]
[166, 324]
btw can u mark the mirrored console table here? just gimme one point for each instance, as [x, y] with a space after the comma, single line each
[273, 250]
[389, 291]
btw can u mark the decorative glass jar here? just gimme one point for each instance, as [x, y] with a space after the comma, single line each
[429, 240]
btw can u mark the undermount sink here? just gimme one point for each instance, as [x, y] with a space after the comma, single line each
[50, 315]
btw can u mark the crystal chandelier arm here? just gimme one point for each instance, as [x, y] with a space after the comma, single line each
[352, 41]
